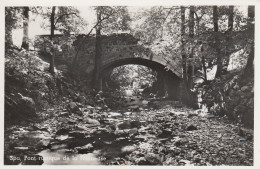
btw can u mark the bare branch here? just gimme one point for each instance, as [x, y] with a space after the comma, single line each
[196, 15]
[65, 15]
[104, 18]
[167, 15]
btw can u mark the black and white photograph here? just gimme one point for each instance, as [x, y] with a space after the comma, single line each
[130, 85]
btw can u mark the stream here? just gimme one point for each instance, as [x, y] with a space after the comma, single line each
[169, 134]
[100, 145]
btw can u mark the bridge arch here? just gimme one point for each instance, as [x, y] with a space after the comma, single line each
[170, 81]
[116, 50]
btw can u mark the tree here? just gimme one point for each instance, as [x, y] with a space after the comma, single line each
[13, 17]
[51, 69]
[228, 34]
[217, 44]
[231, 18]
[186, 95]
[98, 51]
[249, 69]
[125, 75]
[191, 57]
[64, 20]
[211, 44]
[183, 54]
[215, 21]
[109, 19]
[215, 18]
[25, 42]
[158, 29]
[75, 58]
[203, 60]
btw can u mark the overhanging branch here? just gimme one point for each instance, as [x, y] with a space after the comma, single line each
[67, 14]
[76, 56]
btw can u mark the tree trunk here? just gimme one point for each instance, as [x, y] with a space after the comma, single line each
[249, 69]
[98, 52]
[25, 43]
[219, 57]
[231, 18]
[8, 27]
[186, 95]
[230, 28]
[204, 66]
[191, 22]
[52, 37]
[184, 58]
[215, 18]
[191, 35]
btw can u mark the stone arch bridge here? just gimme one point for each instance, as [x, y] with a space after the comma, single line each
[122, 49]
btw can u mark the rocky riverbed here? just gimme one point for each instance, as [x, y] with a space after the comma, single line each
[168, 134]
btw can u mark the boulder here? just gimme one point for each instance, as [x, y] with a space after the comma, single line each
[119, 132]
[72, 105]
[89, 107]
[191, 127]
[19, 106]
[82, 100]
[124, 125]
[153, 159]
[133, 131]
[62, 132]
[141, 161]
[92, 121]
[133, 108]
[128, 149]
[114, 114]
[236, 86]
[136, 124]
[244, 88]
[71, 92]
[165, 134]
[127, 113]
[21, 148]
[27, 104]
[63, 113]
[185, 162]
[73, 108]
[98, 108]
[79, 104]
[77, 134]
[44, 143]
[85, 149]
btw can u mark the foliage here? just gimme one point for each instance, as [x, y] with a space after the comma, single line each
[117, 18]
[13, 17]
[160, 27]
[136, 76]
[60, 44]
[67, 19]
[13, 20]
[25, 73]
[231, 96]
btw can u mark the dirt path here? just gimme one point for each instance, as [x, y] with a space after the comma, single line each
[165, 136]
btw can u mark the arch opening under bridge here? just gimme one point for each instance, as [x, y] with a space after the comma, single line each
[167, 80]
